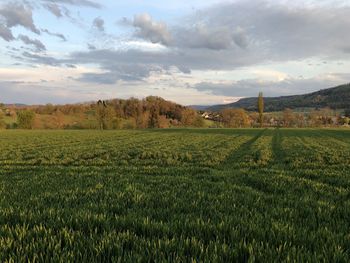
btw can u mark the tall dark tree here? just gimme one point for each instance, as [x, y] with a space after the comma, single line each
[261, 108]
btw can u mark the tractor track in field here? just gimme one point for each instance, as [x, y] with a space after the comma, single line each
[241, 151]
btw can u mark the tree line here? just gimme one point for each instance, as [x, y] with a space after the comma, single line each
[151, 112]
[324, 117]
[155, 112]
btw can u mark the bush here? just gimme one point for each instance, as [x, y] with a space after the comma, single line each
[25, 119]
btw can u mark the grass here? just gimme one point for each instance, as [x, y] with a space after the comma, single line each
[218, 195]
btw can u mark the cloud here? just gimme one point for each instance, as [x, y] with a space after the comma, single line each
[99, 24]
[288, 86]
[34, 42]
[91, 46]
[15, 14]
[185, 60]
[235, 35]
[240, 38]
[209, 37]
[41, 93]
[125, 72]
[147, 28]
[54, 9]
[6, 33]
[41, 59]
[61, 36]
[282, 31]
[260, 29]
[225, 37]
[87, 3]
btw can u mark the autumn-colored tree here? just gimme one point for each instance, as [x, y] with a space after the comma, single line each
[288, 118]
[261, 108]
[300, 120]
[163, 122]
[188, 116]
[326, 115]
[154, 117]
[58, 118]
[235, 118]
[314, 119]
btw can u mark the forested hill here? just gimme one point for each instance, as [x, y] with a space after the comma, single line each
[335, 98]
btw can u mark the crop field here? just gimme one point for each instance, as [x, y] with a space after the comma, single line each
[176, 195]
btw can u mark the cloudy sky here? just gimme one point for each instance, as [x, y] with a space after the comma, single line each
[188, 51]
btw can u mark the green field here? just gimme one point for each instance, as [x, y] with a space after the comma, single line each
[186, 195]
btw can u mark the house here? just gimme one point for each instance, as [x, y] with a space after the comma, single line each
[206, 115]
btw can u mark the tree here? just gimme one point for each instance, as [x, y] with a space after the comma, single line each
[25, 119]
[199, 122]
[288, 118]
[153, 117]
[326, 115]
[104, 115]
[235, 118]
[314, 119]
[261, 108]
[188, 117]
[58, 118]
[300, 120]
[2, 121]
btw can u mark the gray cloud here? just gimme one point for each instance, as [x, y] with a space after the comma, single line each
[54, 9]
[34, 42]
[15, 14]
[61, 36]
[279, 31]
[156, 32]
[6, 33]
[125, 72]
[40, 59]
[235, 35]
[197, 35]
[91, 46]
[209, 37]
[183, 59]
[284, 32]
[99, 23]
[289, 86]
[240, 38]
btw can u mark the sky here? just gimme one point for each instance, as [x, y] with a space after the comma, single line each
[190, 52]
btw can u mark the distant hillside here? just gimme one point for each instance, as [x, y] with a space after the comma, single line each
[335, 98]
[199, 107]
[16, 105]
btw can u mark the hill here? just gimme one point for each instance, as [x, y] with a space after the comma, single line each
[335, 98]
[199, 107]
[150, 112]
